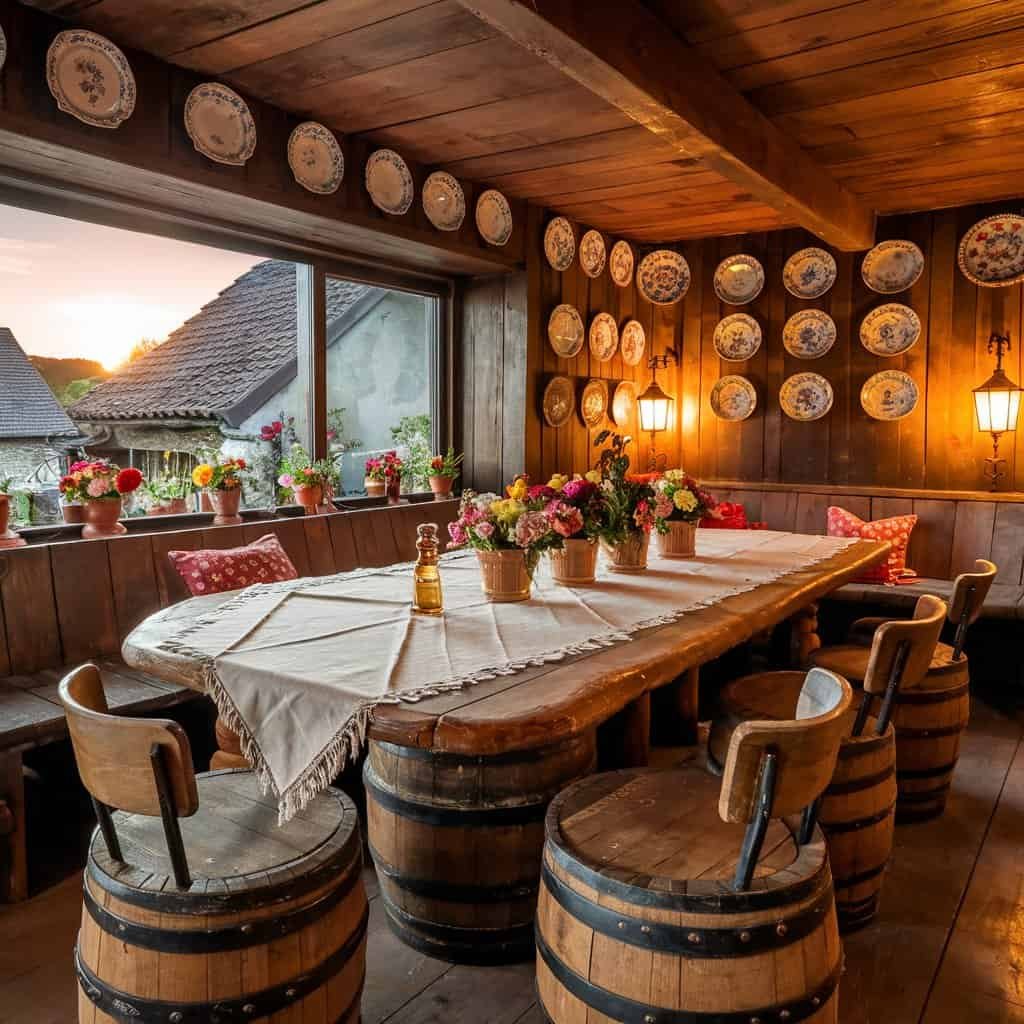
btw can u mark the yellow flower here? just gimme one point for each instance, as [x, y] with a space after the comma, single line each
[519, 488]
[594, 476]
[685, 500]
[507, 510]
[558, 481]
[202, 475]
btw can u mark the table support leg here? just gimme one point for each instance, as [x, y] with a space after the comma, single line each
[624, 741]
[14, 881]
[229, 754]
[804, 639]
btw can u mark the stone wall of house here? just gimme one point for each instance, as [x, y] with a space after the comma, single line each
[33, 468]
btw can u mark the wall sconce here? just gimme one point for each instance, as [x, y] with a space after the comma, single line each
[655, 408]
[996, 404]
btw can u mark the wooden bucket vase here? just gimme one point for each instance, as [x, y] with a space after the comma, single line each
[576, 563]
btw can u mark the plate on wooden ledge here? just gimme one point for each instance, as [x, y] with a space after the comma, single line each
[737, 337]
[566, 331]
[739, 279]
[889, 395]
[624, 403]
[809, 334]
[559, 401]
[604, 337]
[733, 398]
[806, 397]
[592, 253]
[620, 263]
[444, 202]
[632, 342]
[892, 266]
[991, 254]
[594, 403]
[3, 48]
[809, 273]
[389, 182]
[315, 158]
[890, 330]
[663, 277]
[493, 217]
[89, 76]
[559, 243]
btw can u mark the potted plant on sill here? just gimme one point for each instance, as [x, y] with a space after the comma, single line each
[167, 495]
[629, 506]
[443, 471]
[384, 476]
[312, 483]
[687, 504]
[222, 482]
[100, 486]
[576, 509]
[8, 537]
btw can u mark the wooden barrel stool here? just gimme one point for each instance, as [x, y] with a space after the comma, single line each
[457, 843]
[668, 897]
[271, 925]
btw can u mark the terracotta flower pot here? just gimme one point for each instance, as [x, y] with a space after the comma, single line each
[504, 575]
[158, 510]
[629, 555]
[8, 537]
[225, 506]
[101, 518]
[576, 563]
[308, 498]
[442, 487]
[374, 488]
[178, 507]
[73, 513]
[679, 542]
[393, 489]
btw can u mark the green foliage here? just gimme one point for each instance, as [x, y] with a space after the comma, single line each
[76, 390]
[5, 484]
[166, 487]
[336, 431]
[413, 434]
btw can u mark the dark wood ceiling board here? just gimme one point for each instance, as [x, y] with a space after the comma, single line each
[965, 166]
[596, 174]
[664, 231]
[989, 188]
[667, 195]
[63, 7]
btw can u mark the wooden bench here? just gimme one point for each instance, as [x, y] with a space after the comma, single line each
[65, 603]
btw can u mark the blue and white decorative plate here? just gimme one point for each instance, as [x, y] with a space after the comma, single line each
[890, 330]
[559, 243]
[733, 398]
[89, 77]
[3, 48]
[889, 395]
[737, 337]
[632, 342]
[444, 202]
[493, 217]
[389, 182]
[991, 254]
[315, 158]
[219, 124]
[592, 253]
[663, 277]
[892, 266]
[604, 337]
[620, 263]
[565, 331]
[809, 273]
[739, 279]
[806, 397]
[809, 334]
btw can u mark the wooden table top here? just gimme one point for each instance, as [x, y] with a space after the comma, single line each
[545, 704]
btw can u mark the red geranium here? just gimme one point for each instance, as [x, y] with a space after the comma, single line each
[128, 480]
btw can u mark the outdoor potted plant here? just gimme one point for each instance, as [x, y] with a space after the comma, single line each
[222, 482]
[629, 506]
[687, 503]
[384, 476]
[508, 534]
[100, 486]
[443, 471]
[575, 509]
[8, 537]
[71, 506]
[167, 495]
[312, 483]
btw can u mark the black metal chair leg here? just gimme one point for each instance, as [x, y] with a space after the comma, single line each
[106, 822]
[172, 831]
[753, 839]
[807, 822]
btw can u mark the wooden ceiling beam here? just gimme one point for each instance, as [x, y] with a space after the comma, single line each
[633, 61]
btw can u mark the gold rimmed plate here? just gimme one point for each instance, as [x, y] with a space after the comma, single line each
[566, 332]
[733, 398]
[604, 337]
[594, 403]
[559, 401]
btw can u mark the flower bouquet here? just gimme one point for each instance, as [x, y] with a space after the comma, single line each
[443, 471]
[311, 482]
[574, 508]
[629, 506]
[99, 486]
[384, 476]
[222, 481]
[681, 503]
[508, 535]
[167, 495]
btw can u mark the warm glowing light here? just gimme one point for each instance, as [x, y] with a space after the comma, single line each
[106, 327]
[655, 409]
[997, 408]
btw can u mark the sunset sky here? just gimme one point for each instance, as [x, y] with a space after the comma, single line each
[68, 288]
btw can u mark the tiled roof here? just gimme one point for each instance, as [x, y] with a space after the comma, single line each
[229, 349]
[27, 405]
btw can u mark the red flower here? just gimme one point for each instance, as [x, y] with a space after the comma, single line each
[277, 426]
[127, 480]
[240, 463]
[66, 484]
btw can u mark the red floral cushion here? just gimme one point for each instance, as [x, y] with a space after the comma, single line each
[215, 571]
[897, 530]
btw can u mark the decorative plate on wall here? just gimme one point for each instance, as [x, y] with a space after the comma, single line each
[444, 202]
[559, 401]
[991, 254]
[805, 396]
[889, 395]
[604, 337]
[737, 337]
[739, 279]
[89, 77]
[594, 403]
[890, 330]
[3, 48]
[219, 124]
[493, 217]
[592, 253]
[566, 331]
[624, 403]
[809, 273]
[663, 277]
[892, 266]
[389, 182]
[632, 343]
[809, 334]
[559, 243]
[733, 398]
[620, 263]
[315, 158]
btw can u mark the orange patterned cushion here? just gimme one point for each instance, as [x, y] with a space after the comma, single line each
[897, 530]
[215, 571]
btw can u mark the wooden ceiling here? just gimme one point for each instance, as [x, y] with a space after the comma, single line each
[909, 104]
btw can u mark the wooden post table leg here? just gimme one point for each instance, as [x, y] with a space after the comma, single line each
[624, 741]
[685, 693]
[14, 885]
[804, 639]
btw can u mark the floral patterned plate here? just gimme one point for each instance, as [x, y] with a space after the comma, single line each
[889, 395]
[809, 334]
[624, 403]
[444, 202]
[3, 48]
[739, 279]
[620, 263]
[890, 330]
[315, 158]
[733, 398]
[559, 243]
[809, 273]
[806, 396]
[389, 182]
[592, 253]
[633, 341]
[559, 402]
[493, 217]
[892, 266]
[737, 337]
[991, 254]
[604, 337]
[594, 403]
[663, 277]
[565, 331]
[89, 77]
[219, 124]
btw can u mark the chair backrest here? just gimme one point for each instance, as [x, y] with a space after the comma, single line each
[805, 750]
[969, 592]
[919, 634]
[115, 754]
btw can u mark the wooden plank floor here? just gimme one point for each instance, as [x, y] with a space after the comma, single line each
[948, 947]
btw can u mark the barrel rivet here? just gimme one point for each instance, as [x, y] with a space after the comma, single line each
[622, 924]
[781, 930]
[744, 936]
[649, 1018]
[646, 929]
[290, 993]
[755, 1020]
[784, 1014]
[246, 928]
[177, 1017]
[816, 1001]
[121, 928]
[693, 937]
[249, 1009]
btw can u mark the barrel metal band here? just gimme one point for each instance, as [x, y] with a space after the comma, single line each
[628, 1011]
[913, 732]
[692, 943]
[849, 881]
[127, 1007]
[218, 940]
[920, 796]
[849, 749]
[856, 785]
[852, 826]
[926, 773]
[932, 696]
[531, 755]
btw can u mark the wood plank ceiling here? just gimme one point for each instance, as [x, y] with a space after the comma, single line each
[911, 104]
